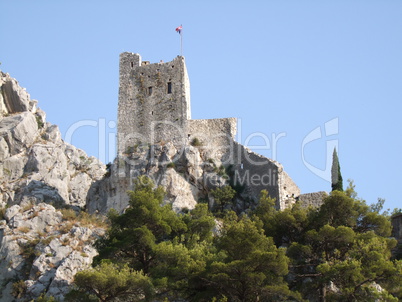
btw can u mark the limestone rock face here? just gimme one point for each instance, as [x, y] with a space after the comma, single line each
[13, 97]
[191, 173]
[45, 248]
[185, 174]
[35, 163]
[38, 173]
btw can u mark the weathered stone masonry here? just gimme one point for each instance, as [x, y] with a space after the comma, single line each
[154, 101]
[154, 108]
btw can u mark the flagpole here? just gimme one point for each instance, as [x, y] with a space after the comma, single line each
[181, 41]
[180, 31]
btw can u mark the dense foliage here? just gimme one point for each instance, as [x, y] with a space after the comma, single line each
[339, 252]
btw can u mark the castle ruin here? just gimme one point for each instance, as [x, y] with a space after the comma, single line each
[154, 108]
[154, 101]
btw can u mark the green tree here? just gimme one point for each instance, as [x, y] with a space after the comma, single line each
[364, 265]
[134, 234]
[109, 282]
[336, 176]
[251, 267]
[223, 196]
[340, 209]
[200, 223]
[284, 226]
[345, 244]
[266, 212]
[180, 271]
[172, 249]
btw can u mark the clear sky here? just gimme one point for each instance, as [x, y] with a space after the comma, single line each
[301, 76]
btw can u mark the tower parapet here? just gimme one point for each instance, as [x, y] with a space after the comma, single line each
[154, 101]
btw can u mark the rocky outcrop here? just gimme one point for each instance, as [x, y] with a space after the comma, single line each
[188, 175]
[13, 98]
[42, 249]
[180, 172]
[35, 163]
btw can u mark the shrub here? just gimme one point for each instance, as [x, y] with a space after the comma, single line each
[2, 213]
[28, 250]
[19, 289]
[24, 229]
[170, 165]
[108, 169]
[196, 142]
[221, 171]
[87, 219]
[28, 207]
[40, 122]
[44, 298]
[69, 214]
[131, 149]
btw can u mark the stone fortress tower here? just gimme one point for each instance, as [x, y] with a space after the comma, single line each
[154, 101]
[154, 108]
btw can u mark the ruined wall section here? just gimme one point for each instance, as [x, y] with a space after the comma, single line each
[154, 102]
[288, 190]
[315, 199]
[215, 135]
[256, 173]
[396, 221]
[251, 170]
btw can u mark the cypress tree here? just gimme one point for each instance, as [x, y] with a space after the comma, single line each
[336, 176]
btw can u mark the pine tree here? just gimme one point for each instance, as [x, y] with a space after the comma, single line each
[336, 176]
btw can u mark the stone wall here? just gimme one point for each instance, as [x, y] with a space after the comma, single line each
[288, 190]
[256, 173]
[315, 199]
[251, 170]
[397, 227]
[154, 102]
[215, 135]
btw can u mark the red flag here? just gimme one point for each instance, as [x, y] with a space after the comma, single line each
[178, 29]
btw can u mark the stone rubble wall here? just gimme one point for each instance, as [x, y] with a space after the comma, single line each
[257, 173]
[314, 199]
[215, 135]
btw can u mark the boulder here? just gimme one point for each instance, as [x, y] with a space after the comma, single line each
[19, 131]
[14, 98]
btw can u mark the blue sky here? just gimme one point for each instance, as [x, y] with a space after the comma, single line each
[305, 75]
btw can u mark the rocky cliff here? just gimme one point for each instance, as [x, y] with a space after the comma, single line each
[44, 183]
